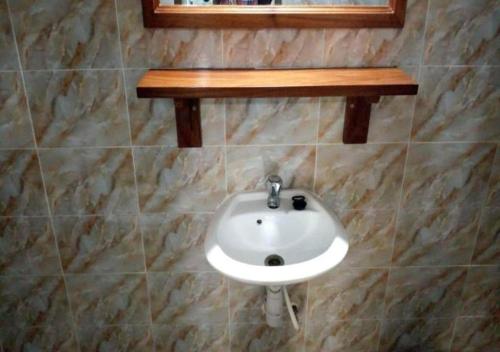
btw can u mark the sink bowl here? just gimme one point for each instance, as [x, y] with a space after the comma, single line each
[251, 243]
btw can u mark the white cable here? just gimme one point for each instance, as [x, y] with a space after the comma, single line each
[290, 309]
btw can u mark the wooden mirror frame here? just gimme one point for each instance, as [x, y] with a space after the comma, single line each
[223, 16]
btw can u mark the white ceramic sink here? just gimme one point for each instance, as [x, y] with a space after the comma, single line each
[244, 232]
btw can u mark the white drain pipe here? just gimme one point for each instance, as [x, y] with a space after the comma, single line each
[274, 307]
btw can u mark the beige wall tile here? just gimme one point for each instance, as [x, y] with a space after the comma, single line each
[180, 179]
[462, 32]
[66, 34]
[175, 242]
[21, 186]
[95, 244]
[28, 247]
[178, 298]
[272, 121]
[89, 181]
[78, 108]
[98, 300]
[273, 48]
[458, 104]
[15, 126]
[442, 236]
[249, 167]
[360, 176]
[447, 175]
[430, 292]
[416, 335]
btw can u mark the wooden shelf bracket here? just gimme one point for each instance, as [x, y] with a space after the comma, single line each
[357, 119]
[187, 118]
[362, 87]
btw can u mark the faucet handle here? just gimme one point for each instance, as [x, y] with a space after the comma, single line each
[274, 182]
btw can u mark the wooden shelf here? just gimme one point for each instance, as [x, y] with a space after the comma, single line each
[362, 86]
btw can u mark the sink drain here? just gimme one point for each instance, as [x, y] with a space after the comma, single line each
[274, 260]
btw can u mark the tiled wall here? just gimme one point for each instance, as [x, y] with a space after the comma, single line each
[103, 218]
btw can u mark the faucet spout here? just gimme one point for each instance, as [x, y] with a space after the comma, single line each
[274, 184]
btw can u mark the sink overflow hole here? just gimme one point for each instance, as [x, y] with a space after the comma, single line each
[274, 260]
[259, 222]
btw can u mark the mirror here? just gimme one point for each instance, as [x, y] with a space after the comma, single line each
[274, 13]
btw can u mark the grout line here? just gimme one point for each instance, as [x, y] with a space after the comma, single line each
[222, 67]
[318, 121]
[42, 176]
[229, 334]
[164, 146]
[379, 268]
[483, 206]
[403, 180]
[306, 313]
[134, 168]
[224, 106]
[118, 273]
[73, 69]
[461, 308]
[225, 150]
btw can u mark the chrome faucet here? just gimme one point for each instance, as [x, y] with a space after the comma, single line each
[273, 185]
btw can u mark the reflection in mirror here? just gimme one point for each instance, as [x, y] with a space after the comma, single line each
[275, 2]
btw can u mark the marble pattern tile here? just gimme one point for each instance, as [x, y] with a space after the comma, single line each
[430, 292]
[458, 104]
[15, 126]
[262, 338]
[273, 48]
[343, 335]
[246, 302]
[161, 48]
[481, 292]
[39, 338]
[94, 244]
[78, 108]
[463, 32]
[108, 299]
[191, 337]
[389, 122]
[416, 335]
[371, 234]
[442, 175]
[360, 176]
[272, 121]
[153, 120]
[248, 167]
[184, 180]
[347, 293]
[175, 242]
[390, 118]
[476, 334]
[379, 47]
[89, 181]
[487, 249]
[27, 246]
[137, 338]
[21, 186]
[493, 199]
[188, 298]
[66, 34]
[436, 236]
[8, 55]
[32, 301]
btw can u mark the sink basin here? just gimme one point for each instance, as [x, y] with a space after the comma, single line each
[245, 234]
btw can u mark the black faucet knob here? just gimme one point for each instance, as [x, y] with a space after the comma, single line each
[299, 202]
